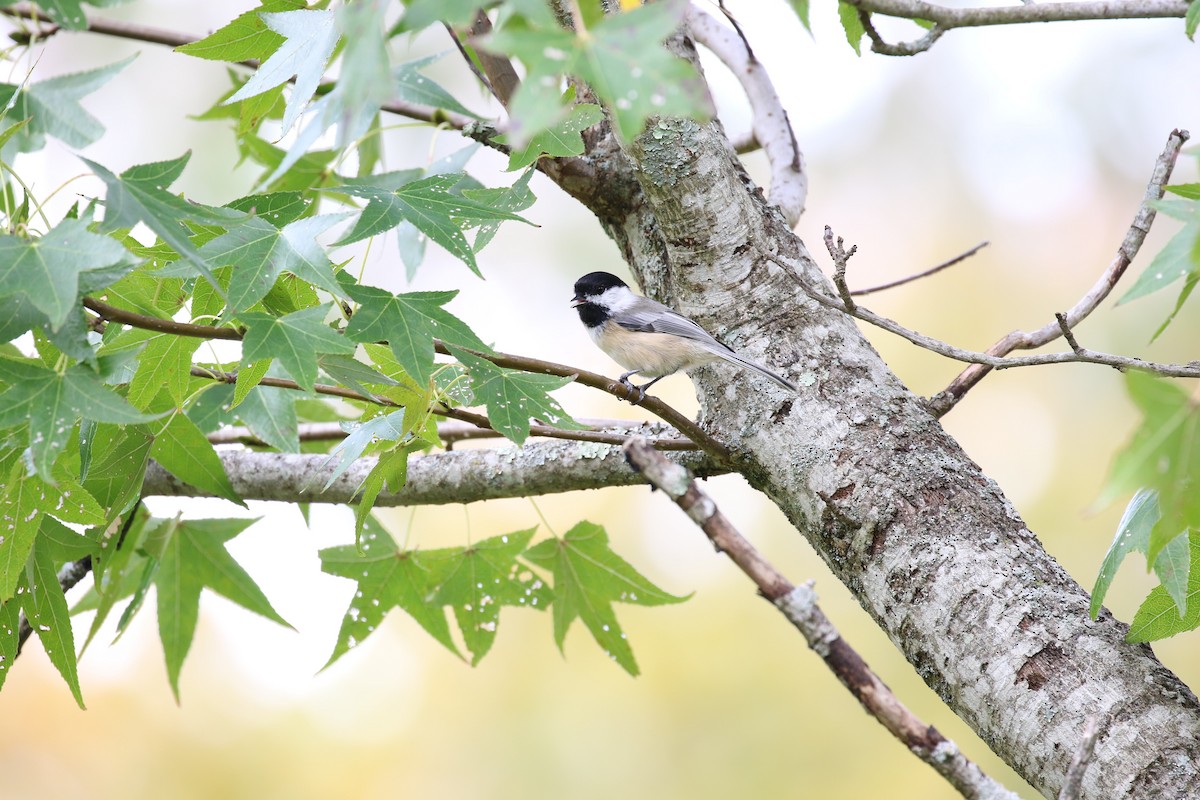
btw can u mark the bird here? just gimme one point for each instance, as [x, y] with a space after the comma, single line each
[646, 337]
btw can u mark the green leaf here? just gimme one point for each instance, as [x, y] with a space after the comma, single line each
[310, 36]
[259, 251]
[278, 208]
[1174, 262]
[852, 24]
[1189, 190]
[408, 323]
[1133, 533]
[360, 435]
[249, 375]
[413, 87]
[561, 139]
[25, 502]
[140, 194]
[483, 578]
[422, 13]
[118, 467]
[513, 397]
[1192, 19]
[48, 271]
[194, 557]
[387, 578]
[52, 403]
[1163, 454]
[52, 108]
[1159, 614]
[801, 9]
[270, 414]
[515, 198]
[246, 37]
[588, 578]
[621, 58]
[428, 204]
[165, 363]
[390, 470]
[182, 450]
[46, 608]
[293, 340]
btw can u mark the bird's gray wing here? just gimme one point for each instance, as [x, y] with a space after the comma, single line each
[649, 316]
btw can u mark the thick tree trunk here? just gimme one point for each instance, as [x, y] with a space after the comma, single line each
[926, 541]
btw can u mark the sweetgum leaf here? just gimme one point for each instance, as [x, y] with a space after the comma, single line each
[588, 578]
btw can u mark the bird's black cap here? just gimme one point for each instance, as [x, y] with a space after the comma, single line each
[595, 283]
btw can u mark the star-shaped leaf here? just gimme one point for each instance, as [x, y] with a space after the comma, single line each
[483, 578]
[52, 403]
[428, 204]
[246, 37]
[140, 194]
[1159, 615]
[47, 271]
[621, 58]
[387, 578]
[164, 363]
[52, 108]
[258, 251]
[413, 87]
[513, 397]
[1133, 533]
[293, 340]
[1164, 455]
[408, 323]
[588, 578]
[564, 138]
[309, 38]
[182, 450]
[193, 558]
[24, 503]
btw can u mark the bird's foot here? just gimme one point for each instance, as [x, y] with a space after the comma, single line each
[633, 393]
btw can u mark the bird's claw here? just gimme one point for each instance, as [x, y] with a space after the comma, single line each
[630, 388]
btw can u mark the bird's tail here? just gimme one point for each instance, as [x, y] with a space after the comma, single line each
[759, 368]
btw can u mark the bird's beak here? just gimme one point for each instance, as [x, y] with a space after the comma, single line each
[577, 301]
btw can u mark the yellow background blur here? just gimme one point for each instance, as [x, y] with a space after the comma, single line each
[1037, 138]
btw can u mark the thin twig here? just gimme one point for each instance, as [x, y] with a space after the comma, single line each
[1067, 333]
[883, 47]
[841, 258]
[1073, 782]
[1189, 370]
[931, 271]
[798, 604]
[945, 400]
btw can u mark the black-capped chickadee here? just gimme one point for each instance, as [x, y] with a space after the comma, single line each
[646, 337]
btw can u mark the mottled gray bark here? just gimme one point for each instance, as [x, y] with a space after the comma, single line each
[926, 541]
[460, 476]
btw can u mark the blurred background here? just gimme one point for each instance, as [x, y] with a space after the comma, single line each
[1039, 139]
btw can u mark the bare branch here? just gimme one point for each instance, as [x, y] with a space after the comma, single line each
[948, 18]
[1073, 784]
[453, 431]
[771, 128]
[945, 400]
[931, 271]
[1189, 370]
[881, 46]
[459, 476]
[841, 260]
[799, 605]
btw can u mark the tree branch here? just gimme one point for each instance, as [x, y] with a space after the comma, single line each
[799, 605]
[459, 476]
[771, 128]
[923, 274]
[1083, 757]
[456, 430]
[945, 400]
